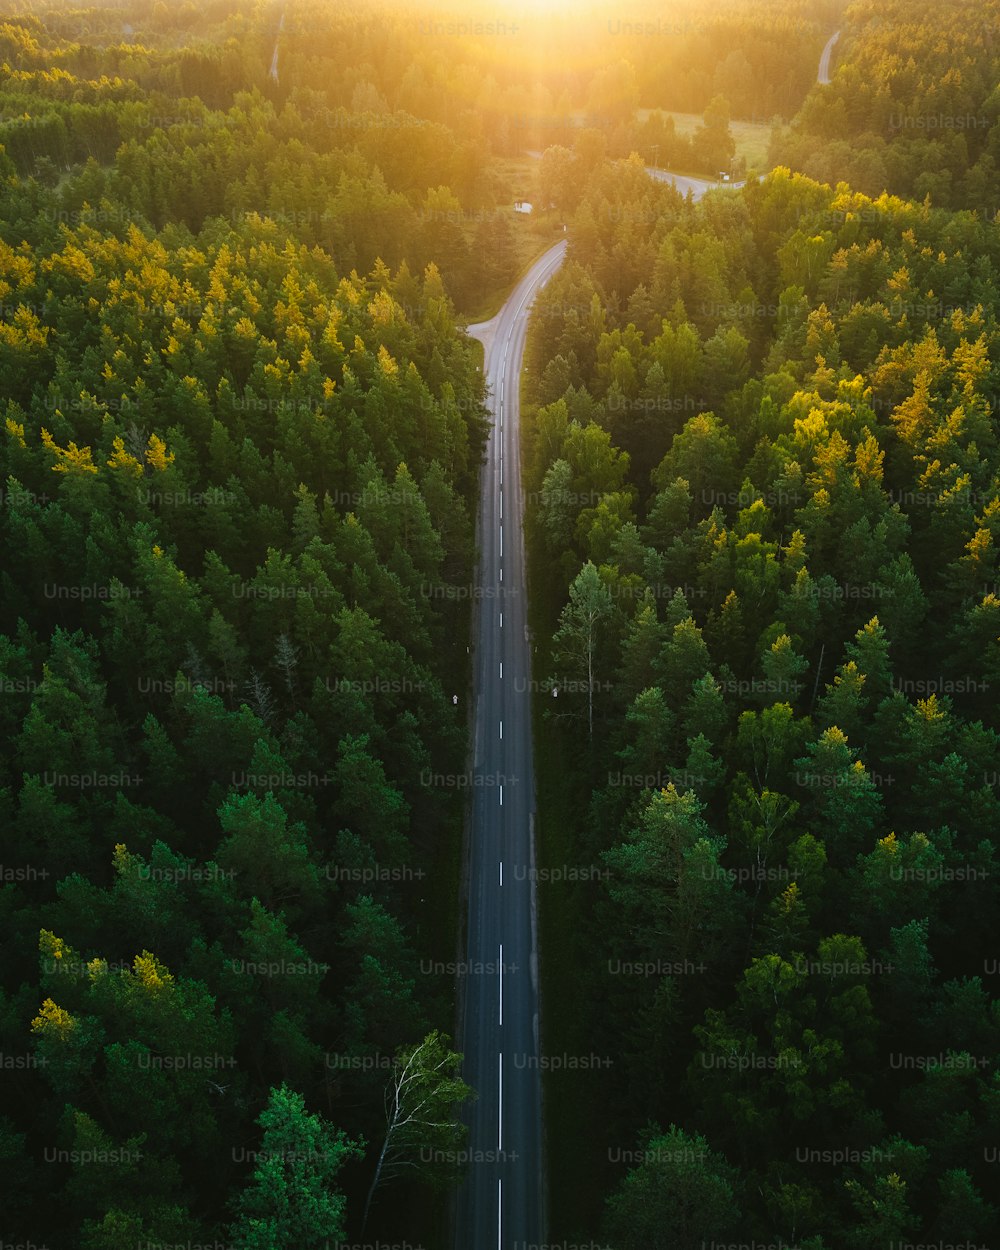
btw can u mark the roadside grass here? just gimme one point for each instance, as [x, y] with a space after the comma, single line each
[752, 137]
[530, 248]
[516, 175]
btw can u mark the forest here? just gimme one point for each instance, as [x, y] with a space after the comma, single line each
[763, 459]
[239, 475]
[914, 110]
[238, 460]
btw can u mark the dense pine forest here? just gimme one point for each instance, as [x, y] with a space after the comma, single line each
[913, 109]
[764, 463]
[239, 470]
[239, 455]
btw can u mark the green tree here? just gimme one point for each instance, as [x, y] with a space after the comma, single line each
[291, 1200]
[576, 641]
[666, 880]
[686, 1194]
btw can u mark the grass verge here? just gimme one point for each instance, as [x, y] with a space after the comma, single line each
[751, 137]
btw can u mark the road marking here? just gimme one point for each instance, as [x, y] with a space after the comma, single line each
[501, 872]
[501, 731]
[499, 1213]
[501, 542]
[501, 982]
[500, 1106]
[501, 620]
[501, 796]
[501, 505]
[501, 670]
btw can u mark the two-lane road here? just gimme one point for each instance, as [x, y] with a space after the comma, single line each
[502, 1201]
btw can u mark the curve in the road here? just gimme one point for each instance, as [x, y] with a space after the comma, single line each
[823, 73]
[502, 1201]
[683, 183]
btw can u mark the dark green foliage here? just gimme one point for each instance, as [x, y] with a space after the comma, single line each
[240, 453]
[792, 777]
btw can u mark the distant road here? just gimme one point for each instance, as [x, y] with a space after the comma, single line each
[273, 72]
[823, 77]
[698, 186]
[502, 1201]
[684, 184]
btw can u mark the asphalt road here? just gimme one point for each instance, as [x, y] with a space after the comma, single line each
[823, 75]
[684, 184]
[697, 186]
[502, 1201]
